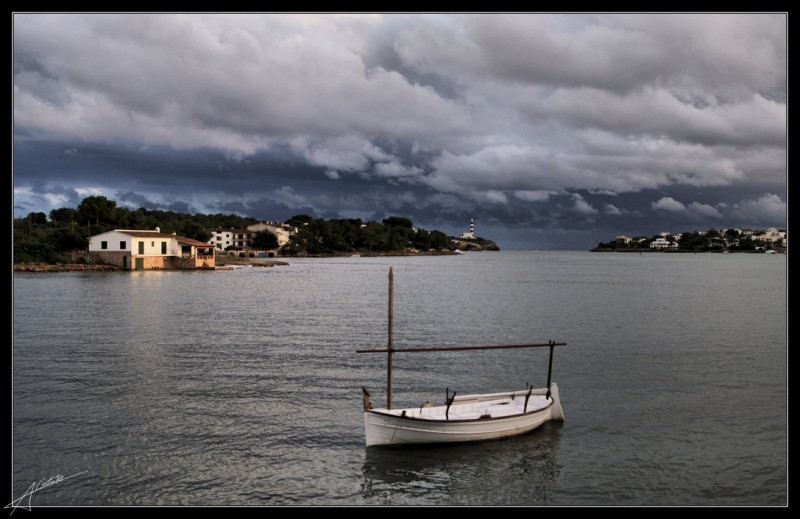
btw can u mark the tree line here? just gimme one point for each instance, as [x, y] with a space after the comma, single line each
[39, 237]
[708, 241]
[319, 236]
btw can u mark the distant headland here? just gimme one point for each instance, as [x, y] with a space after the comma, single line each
[771, 240]
[98, 235]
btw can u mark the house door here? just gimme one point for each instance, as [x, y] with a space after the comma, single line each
[124, 262]
[139, 263]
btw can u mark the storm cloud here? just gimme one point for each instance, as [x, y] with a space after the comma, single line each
[551, 130]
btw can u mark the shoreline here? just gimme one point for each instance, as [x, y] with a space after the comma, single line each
[654, 251]
[63, 267]
[223, 262]
[83, 267]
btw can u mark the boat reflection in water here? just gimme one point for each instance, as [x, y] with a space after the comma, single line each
[518, 471]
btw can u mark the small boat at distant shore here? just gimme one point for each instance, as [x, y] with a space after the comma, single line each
[465, 418]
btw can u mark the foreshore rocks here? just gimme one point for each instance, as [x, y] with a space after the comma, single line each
[63, 267]
[224, 262]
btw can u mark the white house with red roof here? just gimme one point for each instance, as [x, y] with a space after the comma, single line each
[151, 250]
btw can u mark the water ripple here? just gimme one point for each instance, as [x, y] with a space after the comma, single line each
[243, 387]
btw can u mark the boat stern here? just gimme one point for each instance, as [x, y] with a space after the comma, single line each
[558, 413]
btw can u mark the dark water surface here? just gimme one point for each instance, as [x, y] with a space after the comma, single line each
[243, 387]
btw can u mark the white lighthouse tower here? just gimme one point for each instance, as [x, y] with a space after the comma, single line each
[469, 235]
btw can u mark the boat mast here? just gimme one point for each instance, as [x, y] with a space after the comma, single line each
[390, 351]
[550, 367]
[389, 347]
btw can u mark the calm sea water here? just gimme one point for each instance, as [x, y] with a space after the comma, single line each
[243, 387]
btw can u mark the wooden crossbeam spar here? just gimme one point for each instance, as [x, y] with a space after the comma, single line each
[461, 348]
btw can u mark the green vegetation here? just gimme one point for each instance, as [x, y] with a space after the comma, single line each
[712, 240]
[265, 240]
[38, 238]
[318, 236]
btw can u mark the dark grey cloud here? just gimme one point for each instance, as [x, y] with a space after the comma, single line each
[711, 55]
[531, 123]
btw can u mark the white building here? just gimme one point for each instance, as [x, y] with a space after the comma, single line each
[281, 230]
[470, 234]
[667, 235]
[146, 250]
[221, 239]
[772, 236]
[242, 239]
[663, 243]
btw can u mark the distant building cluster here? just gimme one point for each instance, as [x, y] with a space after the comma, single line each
[133, 249]
[242, 239]
[771, 235]
[724, 238]
[137, 249]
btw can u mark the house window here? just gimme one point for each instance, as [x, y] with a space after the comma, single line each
[163, 247]
[122, 245]
[141, 247]
[152, 244]
[104, 245]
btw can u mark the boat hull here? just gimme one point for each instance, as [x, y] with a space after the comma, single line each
[429, 426]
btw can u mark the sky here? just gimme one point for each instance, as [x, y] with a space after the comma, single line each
[551, 131]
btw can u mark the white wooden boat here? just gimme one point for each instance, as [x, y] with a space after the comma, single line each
[461, 418]
[468, 418]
